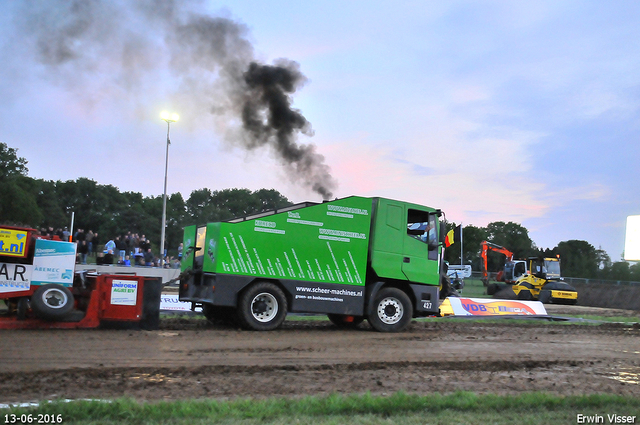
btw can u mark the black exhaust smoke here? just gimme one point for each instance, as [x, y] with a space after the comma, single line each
[210, 57]
[268, 118]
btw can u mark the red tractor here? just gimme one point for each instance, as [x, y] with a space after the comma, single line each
[41, 289]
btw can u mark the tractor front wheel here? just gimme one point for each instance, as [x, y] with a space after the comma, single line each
[51, 302]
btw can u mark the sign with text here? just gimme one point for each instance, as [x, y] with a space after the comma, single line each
[15, 277]
[53, 262]
[172, 302]
[14, 242]
[124, 292]
[492, 307]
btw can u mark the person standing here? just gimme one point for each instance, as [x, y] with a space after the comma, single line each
[148, 258]
[144, 244]
[89, 238]
[128, 241]
[121, 248]
[135, 242]
[83, 250]
[110, 246]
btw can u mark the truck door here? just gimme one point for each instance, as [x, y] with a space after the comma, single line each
[420, 248]
[192, 247]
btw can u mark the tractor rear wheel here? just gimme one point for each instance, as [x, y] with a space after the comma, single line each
[262, 307]
[22, 306]
[51, 302]
[392, 310]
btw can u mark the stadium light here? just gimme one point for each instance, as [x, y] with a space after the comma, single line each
[169, 118]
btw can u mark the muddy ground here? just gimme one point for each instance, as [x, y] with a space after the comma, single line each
[189, 358]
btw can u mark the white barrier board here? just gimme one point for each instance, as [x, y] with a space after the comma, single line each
[171, 302]
[457, 271]
[491, 307]
[632, 239]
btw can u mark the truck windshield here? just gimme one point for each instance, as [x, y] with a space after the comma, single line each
[553, 269]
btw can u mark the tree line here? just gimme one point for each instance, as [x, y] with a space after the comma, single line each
[104, 209]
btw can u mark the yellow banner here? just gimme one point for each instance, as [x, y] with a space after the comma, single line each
[13, 242]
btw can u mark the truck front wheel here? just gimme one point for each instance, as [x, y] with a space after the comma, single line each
[262, 307]
[392, 311]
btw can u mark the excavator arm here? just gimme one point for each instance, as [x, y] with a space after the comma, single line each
[485, 247]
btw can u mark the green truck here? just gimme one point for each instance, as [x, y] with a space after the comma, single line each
[353, 258]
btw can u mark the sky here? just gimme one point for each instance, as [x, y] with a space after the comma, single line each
[488, 110]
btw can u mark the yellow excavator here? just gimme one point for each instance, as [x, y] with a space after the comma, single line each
[542, 282]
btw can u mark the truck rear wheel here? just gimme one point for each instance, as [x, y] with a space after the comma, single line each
[262, 307]
[51, 302]
[392, 311]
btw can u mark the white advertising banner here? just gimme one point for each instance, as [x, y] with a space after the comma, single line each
[632, 239]
[493, 307]
[458, 271]
[53, 262]
[124, 292]
[172, 302]
[15, 277]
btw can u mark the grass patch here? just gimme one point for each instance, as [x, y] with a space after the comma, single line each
[610, 319]
[597, 321]
[399, 408]
[473, 288]
[296, 317]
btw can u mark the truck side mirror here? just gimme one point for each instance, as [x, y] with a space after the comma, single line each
[443, 231]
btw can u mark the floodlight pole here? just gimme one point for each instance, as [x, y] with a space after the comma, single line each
[164, 196]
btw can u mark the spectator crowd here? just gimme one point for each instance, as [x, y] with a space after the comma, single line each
[126, 250]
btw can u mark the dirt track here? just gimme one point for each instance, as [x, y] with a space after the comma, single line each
[190, 359]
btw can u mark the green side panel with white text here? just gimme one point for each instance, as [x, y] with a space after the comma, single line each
[327, 242]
